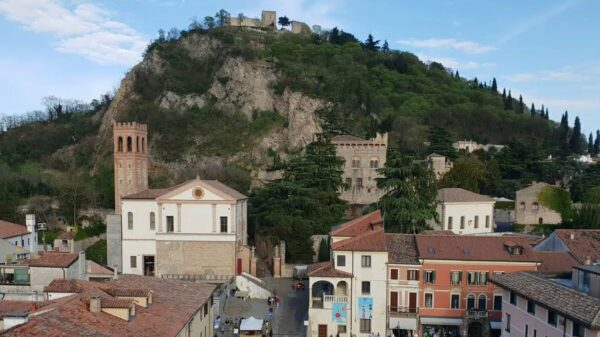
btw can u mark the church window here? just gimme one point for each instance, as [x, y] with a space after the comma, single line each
[355, 162]
[129, 144]
[170, 224]
[374, 163]
[152, 221]
[129, 220]
[120, 144]
[223, 224]
[359, 183]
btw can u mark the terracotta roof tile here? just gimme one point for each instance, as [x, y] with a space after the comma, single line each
[52, 259]
[372, 241]
[402, 248]
[94, 268]
[9, 229]
[578, 306]
[460, 195]
[128, 292]
[358, 226]
[473, 248]
[325, 269]
[174, 304]
[586, 242]
[63, 286]
[116, 303]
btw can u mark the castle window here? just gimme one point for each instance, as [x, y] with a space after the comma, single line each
[348, 183]
[374, 163]
[522, 206]
[535, 206]
[129, 220]
[120, 144]
[143, 145]
[129, 144]
[359, 183]
[355, 162]
[137, 144]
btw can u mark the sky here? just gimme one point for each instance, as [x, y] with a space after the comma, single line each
[546, 50]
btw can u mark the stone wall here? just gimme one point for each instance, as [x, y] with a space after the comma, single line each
[528, 209]
[114, 241]
[195, 258]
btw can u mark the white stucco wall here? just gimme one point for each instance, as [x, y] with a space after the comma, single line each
[469, 210]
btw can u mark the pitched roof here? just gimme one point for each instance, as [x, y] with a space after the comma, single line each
[116, 303]
[94, 268]
[8, 306]
[174, 304]
[402, 248]
[460, 195]
[556, 262]
[473, 248]
[372, 241]
[359, 225]
[63, 286]
[127, 292]
[9, 229]
[325, 269]
[154, 193]
[580, 307]
[52, 259]
[586, 242]
[347, 138]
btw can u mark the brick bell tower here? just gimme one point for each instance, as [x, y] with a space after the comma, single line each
[130, 159]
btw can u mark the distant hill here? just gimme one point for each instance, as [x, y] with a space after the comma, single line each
[223, 102]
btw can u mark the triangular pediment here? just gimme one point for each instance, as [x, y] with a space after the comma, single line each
[198, 190]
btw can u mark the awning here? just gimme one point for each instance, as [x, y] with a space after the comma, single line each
[441, 321]
[496, 325]
[251, 324]
[403, 323]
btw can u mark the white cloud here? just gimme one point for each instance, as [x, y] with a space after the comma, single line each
[578, 73]
[86, 29]
[468, 47]
[536, 20]
[452, 63]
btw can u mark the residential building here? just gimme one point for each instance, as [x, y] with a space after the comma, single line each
[362, 159]
[537, 305]
[23, 236]
[196, 228]
[582, 244]
[439, 164]
[470, 146]
[464, 212]
[529, 210]
[356, 227]
[456, 296]
[128, 306]
[403, 279]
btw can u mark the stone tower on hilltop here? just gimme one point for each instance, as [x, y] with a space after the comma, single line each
[130, 160]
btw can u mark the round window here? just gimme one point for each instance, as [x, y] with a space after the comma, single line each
[198, 193]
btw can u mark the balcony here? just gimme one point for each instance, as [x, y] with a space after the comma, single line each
[476, 314]
[325, 301]
[402, 311]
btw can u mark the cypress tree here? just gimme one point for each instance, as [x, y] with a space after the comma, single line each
[575, 140]
[440, 142]
[542, 111]
[590, 145]
[597, 143]
[504, 94]
[521, 105]
[546, 113]
[509, 102]
[532, 110]
[456, 74]
[494, 85]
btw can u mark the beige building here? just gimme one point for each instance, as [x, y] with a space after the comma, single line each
[470, 146]
[464, 212]
[439, 164]
[130, 160]
[362, 159]
[528, 209]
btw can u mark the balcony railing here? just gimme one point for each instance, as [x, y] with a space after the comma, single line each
[324, 301]
[401, 310]
[476, 314]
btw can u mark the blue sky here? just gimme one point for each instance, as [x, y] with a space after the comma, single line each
[546, 50]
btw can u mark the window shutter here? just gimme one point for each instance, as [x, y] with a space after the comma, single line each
[460, 277]
[417, 275]
[433, 276]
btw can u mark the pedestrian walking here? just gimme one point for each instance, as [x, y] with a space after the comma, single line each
[277, 301]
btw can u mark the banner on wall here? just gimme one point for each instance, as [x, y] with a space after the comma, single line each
[365, 307]
[339, 312]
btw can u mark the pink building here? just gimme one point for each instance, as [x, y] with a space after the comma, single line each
[535, 305]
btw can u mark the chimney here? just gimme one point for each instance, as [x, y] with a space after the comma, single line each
[82, 262]
[33, 307]
[588, 261]
[115, 272]
[30, 222]
[572, 236]
[95, 304]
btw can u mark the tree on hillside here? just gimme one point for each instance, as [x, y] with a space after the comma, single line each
[173, 34]
[521, 105]
[411, 191]
[508, 103]
[472, 174]
[284, 21]
[222, 18]
[504, 96]
[194, 24]
[323, 251]
[335, 36]
[563, 134]
[457, 75]
[441, 142]
[532, 110]
[304, 201]
[209, 22]
[597, 143]
[494, 85]
[546, 116]
[590, 145]
[575, 140]
[386, 47]
[161, 36]
[542, 111]
[371, 44]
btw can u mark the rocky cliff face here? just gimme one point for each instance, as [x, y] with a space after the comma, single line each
[239, 85]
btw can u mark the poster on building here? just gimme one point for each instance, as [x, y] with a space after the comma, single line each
[365, 307]
[339, 313]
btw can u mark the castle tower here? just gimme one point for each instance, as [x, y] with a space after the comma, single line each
[130, 160]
